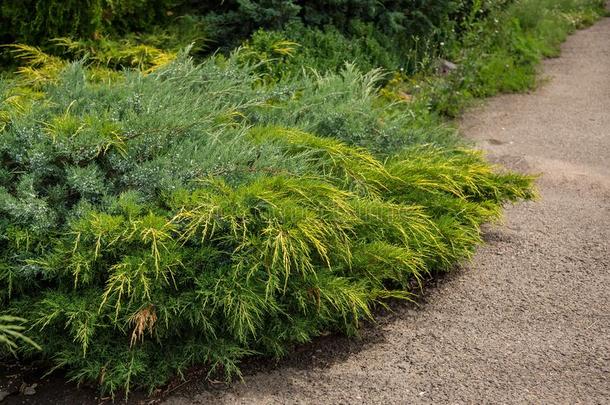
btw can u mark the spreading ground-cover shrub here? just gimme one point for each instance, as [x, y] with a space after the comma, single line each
[346, 106]
[185, 216]
[185, 213]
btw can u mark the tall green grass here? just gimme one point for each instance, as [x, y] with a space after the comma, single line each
[502, 52]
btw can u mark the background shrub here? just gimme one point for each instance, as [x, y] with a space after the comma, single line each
[35, 22]
[389, 34]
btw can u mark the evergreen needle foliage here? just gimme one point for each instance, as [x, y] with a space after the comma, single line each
[157, 213]
[11, 329]
[198, 214]
[178, 213]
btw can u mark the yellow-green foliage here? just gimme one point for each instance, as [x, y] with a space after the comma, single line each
[105, 52]
[176, 214]
[11, 333]
[157, 221]
[38, 68]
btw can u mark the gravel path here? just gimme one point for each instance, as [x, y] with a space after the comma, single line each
[529, 320]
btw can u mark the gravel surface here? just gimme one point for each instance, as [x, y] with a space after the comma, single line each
[529, 319]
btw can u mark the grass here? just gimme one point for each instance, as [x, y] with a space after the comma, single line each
[501, 53]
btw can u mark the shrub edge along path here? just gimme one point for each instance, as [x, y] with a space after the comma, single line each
[529, 319]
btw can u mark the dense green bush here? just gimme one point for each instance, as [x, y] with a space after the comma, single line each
[101, 27]
[185, 213]
[389, 34]
[37, 21]
[393, 34]
[181, 217]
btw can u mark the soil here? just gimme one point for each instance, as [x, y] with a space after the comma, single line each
[528, 321]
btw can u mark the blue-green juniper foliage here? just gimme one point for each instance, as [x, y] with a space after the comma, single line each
[196, 216]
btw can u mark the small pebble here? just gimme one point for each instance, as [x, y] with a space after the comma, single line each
[4, 394]
[30, 390]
